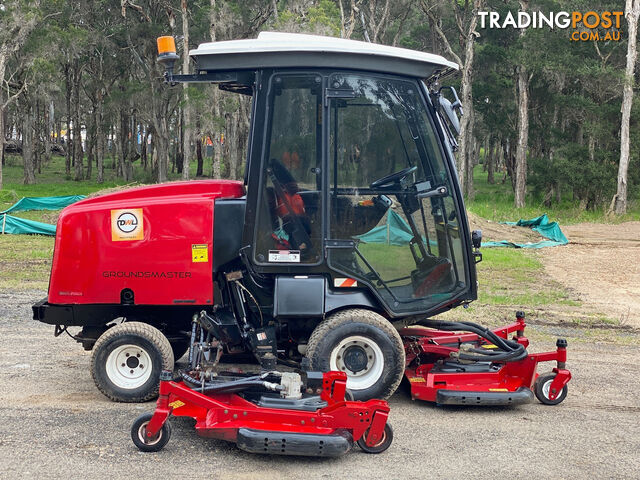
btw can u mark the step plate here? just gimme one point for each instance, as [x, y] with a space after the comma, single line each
[286, 443]
[457, 397]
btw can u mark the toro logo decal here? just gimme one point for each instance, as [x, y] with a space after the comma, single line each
[127, 224]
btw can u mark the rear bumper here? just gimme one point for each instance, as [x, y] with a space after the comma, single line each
[457, 397]
[99, 314]
[44, 312]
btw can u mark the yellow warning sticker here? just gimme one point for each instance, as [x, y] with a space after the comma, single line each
[417, 380]
[176, 404]
[199, 253]
[498, 390]
[127, 224]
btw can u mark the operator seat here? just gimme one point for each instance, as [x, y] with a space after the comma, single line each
[287, 205]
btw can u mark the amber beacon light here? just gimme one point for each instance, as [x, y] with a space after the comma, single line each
[167, 52]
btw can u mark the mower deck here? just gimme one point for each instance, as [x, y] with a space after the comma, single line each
[437, 374]
[296, 427]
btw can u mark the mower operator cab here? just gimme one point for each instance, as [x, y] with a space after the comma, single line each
[350, 174]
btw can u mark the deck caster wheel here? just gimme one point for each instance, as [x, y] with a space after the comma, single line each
[127, 360]
[365, 346]
[382, 445]
[542, 386]
[142, 441]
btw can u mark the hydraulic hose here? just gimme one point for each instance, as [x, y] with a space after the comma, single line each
[232, 386]
[508, 350]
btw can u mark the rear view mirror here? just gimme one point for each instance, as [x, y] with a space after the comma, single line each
[449, 108]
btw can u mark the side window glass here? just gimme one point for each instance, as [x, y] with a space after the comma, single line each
[288, 228]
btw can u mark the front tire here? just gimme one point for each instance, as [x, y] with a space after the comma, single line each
[127, 360]
[365, 346]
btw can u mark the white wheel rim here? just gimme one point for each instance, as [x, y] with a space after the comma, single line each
[129, 366]
[367, 376]
[546, 387]
[142, 435]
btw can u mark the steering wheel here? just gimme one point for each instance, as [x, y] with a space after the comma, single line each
[392, 178]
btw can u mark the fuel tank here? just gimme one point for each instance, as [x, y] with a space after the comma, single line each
[149, 245]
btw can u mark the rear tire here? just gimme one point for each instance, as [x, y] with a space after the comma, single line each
[127, 360]
[365, 346]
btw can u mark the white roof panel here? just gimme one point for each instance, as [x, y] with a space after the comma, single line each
[275, 49]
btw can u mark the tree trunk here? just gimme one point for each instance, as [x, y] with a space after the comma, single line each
[77, 127]
[100, 139]
[632, 12]
[27, 145]
[491, 161]
[36, 137]
[91, 143]
[144, 136]
[186, 145]
[465, 152]
[48, 128]
[523, 127]
[199, 157]
[198, 139]
[215, 100]
[3, 68]
[67, 151]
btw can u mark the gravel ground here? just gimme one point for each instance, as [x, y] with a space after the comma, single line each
[55, 424]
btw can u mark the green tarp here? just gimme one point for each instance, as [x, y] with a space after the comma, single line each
[542, 225]
[43, 203]
[395, 232]
[16, 225]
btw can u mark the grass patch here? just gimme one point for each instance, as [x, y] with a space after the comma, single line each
[25, 261]
[495, 202]
[515, 278]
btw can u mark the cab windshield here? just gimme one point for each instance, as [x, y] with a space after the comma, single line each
[393, 219]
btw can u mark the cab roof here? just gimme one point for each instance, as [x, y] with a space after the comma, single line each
[284, 50]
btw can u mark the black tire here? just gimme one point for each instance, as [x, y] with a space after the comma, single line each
[375, 341]
[541, 389]
[139, 430]
[120, 376]
[387, 438]
[179, 348]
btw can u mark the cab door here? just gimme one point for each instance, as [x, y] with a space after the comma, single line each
[289, 204]
[393, 220]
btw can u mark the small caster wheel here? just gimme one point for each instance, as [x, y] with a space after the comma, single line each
[139, 434]
[542, 386]
[383, 444]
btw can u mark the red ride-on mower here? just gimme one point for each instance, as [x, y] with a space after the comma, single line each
[285, 413]
[465, 364]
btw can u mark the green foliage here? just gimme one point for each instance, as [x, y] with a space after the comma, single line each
[325, 14]
[495, 202]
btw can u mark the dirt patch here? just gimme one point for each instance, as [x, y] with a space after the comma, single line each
[494, 231]
[602, 265]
